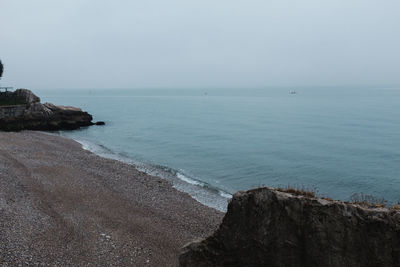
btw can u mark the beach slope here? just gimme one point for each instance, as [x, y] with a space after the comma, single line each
[62, 205]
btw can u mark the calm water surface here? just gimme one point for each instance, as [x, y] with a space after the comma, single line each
[339, 140]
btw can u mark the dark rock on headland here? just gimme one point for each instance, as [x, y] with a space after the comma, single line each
[265, 227]
[100, 123]
[22, 110]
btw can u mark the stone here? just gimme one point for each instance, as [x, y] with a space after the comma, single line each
[29, 97]
[30, 114]
[266, 227]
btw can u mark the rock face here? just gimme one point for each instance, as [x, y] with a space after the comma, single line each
[265, 227]
[27, 113]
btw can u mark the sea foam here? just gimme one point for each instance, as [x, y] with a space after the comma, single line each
[200, 191]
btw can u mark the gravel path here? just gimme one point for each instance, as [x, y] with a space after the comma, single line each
[63, 206]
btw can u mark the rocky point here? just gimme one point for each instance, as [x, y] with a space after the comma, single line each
[22, 110]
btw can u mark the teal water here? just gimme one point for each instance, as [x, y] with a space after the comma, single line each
[338, 140]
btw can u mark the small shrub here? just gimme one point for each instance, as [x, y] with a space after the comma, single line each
[9, 99]
[1, 69]
[367, 200]
[396, 207]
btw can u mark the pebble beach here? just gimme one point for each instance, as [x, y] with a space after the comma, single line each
[61, 205]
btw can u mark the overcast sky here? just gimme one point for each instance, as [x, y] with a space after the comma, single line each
[204, 43]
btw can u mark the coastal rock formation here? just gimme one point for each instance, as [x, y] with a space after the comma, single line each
[22, 110]
[266, 227]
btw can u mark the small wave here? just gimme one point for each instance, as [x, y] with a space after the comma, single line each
[188, 180]
[200, 191]
[224, 194]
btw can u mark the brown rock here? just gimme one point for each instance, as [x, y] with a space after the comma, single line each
[37, 116]
[29, 97]
[265, 227]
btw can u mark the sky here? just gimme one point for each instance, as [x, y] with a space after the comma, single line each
[207, 43]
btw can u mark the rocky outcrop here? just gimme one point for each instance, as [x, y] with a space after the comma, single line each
[265, 227]
[27, 96]
[38, 116]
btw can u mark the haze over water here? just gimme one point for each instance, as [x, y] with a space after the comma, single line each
[340, 140]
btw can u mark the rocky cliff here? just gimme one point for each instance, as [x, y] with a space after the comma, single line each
[22, 110]
[265, 227]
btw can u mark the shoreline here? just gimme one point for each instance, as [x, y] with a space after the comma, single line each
[63, 205]
[202, 192]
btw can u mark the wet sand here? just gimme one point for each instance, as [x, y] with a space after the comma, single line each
[63, 206]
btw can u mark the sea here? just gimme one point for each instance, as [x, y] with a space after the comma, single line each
[213, 142]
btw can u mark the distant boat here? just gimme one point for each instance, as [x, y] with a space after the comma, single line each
[292, 92]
